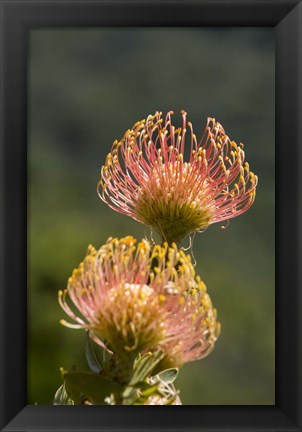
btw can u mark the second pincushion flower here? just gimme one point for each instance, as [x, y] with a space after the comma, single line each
[146, 177]
[134, 298]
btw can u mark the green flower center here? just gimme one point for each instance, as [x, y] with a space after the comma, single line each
[173, 221]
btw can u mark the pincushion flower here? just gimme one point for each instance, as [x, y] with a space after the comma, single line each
[135, 297]
[146, 176]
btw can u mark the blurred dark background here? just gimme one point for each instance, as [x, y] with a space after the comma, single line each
[86, 87]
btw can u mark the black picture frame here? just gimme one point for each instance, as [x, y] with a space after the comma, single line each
[17, 18]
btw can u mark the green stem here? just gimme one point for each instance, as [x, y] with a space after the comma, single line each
[122, 367]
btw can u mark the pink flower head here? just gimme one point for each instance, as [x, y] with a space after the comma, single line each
[141, 297]
[146, 177]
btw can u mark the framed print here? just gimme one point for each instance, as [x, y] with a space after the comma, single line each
[176, 86]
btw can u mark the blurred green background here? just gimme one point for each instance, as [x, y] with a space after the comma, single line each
[86, 87]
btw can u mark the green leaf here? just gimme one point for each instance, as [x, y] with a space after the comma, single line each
[152, 390]
[139, 393]
[144, 366]
[91, 355]
[91, 386]
[130, 395]
[168, 376]
[72, 392]
[61, 397]
[143, 386]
